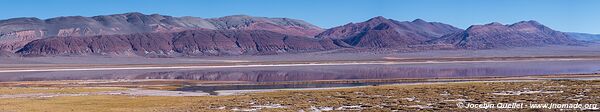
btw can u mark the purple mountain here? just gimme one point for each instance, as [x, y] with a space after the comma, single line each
[380, 32]
[186, 43]
[496, 35]
[14, 33]
[137, 34]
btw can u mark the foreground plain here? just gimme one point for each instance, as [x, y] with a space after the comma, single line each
[411, 97]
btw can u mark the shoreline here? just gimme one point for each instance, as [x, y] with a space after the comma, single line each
[104, 67]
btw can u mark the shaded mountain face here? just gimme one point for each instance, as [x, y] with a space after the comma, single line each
[380, 32]
[496, 35]
[186, 43]
[14, 33]
[585, 37]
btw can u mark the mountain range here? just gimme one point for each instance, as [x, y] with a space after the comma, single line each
[14, 33]
[496, 35]
[137, 34]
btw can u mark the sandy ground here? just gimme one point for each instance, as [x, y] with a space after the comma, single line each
[129, 92]
[590, 50]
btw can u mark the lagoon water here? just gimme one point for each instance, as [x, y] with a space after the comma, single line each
[250, 76]
[340, 72]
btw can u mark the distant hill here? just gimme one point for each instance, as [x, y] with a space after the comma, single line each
[585, 36]
[380, 32]
[496, 35]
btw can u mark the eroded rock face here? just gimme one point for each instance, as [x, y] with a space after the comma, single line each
[280, 25]
[496, 35]
[193, 43]
[380, 32]
[14, 33]
[13, 40]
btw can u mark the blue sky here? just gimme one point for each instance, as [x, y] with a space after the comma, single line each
[564, 15]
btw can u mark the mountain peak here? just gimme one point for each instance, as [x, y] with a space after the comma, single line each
[495, 24]
[238, 16]
[419, 21]
[530, 22]
[133, 14]
[377, 19]
[485, 26]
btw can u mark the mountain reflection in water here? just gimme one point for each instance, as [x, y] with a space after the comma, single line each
[309, 73]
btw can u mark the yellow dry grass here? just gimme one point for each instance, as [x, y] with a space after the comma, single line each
[94, 103]
[62, 90]
[379, 98]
